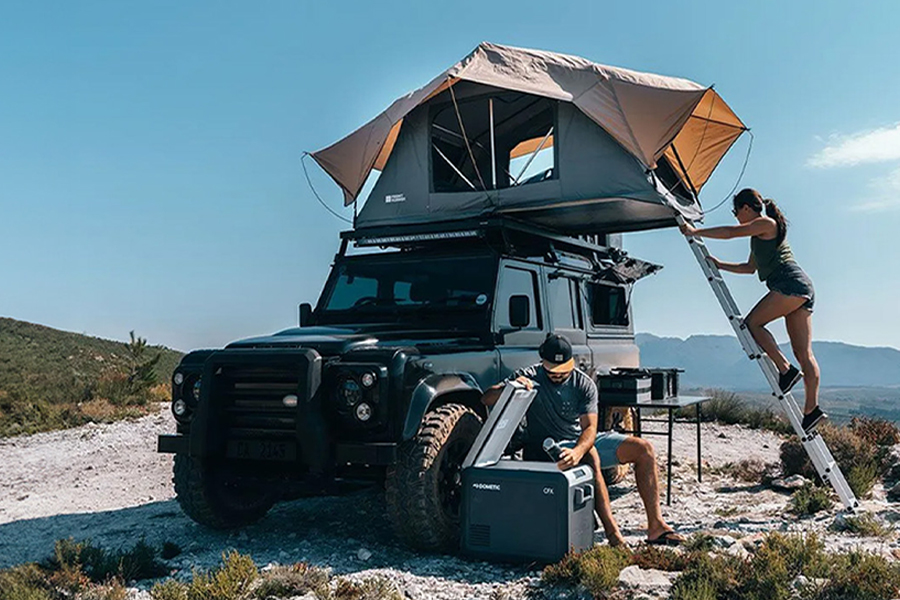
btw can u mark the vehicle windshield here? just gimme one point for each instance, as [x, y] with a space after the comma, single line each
[450, 291]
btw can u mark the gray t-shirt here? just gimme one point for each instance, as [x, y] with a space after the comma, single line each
[556, 409]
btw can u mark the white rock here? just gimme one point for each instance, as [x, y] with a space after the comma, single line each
[794, 482]
[634, 577]
[363, 554]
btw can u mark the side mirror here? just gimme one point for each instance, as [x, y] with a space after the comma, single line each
[305, 313]
[519, 311]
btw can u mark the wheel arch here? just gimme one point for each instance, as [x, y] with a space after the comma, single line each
[437, 390]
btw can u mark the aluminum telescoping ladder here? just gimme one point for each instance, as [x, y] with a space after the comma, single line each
[813, 443]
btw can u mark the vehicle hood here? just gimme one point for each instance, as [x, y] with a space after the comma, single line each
[330, 341]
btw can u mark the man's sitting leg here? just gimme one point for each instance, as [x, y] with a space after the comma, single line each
[601, 501]
[641, 454]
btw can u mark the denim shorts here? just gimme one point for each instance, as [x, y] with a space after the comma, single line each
[790, 280]
[607, 443]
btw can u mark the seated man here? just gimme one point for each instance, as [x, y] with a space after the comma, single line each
[565, 409]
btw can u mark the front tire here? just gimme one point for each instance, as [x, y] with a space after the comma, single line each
[424, 487]
[207, 496]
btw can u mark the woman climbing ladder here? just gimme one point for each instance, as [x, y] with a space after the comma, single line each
[791, 294]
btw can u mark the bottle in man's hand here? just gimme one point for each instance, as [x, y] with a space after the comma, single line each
[552, 448]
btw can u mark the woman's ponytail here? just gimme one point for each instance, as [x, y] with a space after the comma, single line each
[775, 213]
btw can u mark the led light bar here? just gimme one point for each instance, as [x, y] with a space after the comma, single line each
[416, 237]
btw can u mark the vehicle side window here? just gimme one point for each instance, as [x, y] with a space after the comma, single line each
[608, 305]
[565, 310]
[516, 281]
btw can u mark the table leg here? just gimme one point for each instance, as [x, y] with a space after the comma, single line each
[637, 420]
[669, 461]
[699, 453]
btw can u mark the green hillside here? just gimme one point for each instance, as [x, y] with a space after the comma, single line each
[50, 379]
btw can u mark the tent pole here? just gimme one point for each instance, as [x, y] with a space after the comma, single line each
[686, 176]
[452, 166]
[493, 149]
[533, 154]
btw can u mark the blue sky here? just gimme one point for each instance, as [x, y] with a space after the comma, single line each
[149, 152]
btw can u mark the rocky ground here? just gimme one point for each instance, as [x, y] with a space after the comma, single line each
[106, 483]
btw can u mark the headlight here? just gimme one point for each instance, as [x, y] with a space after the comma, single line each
[350, 391]
[179, 378]
[179, 407]
[367, 380]
[363, 412]
[196, 391]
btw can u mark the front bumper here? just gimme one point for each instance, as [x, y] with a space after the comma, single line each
[372, 454]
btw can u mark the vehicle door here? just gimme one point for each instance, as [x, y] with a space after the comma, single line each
[518, 346]
[566, 314]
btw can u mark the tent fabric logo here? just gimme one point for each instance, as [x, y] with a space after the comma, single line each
[394, 198]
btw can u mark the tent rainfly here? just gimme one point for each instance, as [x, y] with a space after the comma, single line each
[620, 150]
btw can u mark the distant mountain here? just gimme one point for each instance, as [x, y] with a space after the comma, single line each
[718, 361]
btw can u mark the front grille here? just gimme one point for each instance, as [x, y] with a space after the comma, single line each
[250, 399]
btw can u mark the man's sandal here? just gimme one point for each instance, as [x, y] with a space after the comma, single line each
[666, 538]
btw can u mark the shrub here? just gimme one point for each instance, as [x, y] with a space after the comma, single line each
[876, 431]
[294, 580]
[25, 582]
[867, 525]
[861, 478]
[751, 470]
[861, 576]
[373, 588]
[723, 406]
[72, 559]
[231, 581]
[662, 559]
[809, 500]
[170, 550]
[849, 450]
[597, 569]
[728, 408]
[169, 589]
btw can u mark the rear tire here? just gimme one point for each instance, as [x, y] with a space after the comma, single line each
[206, 495]
[424, 487]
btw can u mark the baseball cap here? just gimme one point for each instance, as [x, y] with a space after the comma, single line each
[557, 350]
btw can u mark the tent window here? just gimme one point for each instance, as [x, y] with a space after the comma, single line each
[523, 142]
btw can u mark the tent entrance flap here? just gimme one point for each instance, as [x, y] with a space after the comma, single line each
[575, 145]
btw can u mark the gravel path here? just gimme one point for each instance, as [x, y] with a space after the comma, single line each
[107, 483]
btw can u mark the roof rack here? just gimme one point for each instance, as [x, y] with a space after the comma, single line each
[513, 232]
[510, 236]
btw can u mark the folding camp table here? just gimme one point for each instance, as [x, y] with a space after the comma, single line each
[670, 405]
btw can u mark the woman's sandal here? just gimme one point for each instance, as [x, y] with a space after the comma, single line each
[666, 538]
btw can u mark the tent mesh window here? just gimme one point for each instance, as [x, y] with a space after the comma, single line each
[523, 148]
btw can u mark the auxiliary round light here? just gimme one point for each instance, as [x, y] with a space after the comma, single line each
[179, 378]
[351, 391]
[367, 380]
[179, 407]
[363, 412]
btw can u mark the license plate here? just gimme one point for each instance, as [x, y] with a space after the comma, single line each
[261, 450]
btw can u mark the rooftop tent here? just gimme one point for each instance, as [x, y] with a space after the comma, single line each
[551, 139]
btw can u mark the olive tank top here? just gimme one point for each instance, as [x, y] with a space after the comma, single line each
[769, 255]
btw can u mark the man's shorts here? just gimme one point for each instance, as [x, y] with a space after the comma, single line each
[607, 443]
